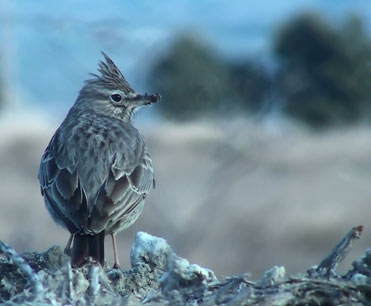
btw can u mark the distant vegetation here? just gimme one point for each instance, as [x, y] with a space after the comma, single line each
[322, 75]
[191, 78]
[325, 72]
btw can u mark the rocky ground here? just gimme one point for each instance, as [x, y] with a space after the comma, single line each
[159, 277]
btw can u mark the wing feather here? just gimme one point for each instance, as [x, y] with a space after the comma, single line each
[62, 193]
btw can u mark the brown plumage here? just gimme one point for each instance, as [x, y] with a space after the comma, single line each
[96, 171]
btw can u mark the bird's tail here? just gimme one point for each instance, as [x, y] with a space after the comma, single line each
[85, 246]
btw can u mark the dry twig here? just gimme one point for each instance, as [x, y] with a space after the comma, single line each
[329, 264]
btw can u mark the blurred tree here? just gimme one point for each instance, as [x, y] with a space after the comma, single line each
[324, 71]
[194, 81]
[250, 85]
[191, 78]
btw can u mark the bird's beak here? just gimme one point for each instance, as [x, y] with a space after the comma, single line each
[147, 99]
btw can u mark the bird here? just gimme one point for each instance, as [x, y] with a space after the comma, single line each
[96, 171]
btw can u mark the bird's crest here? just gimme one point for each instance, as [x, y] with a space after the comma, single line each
[110, 76]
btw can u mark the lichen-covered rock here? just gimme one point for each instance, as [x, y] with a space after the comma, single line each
[175, 275]
[186, 281]
[272, 276]
[12, 281]
[152, 251]
[159, 277]
[50, 260]
[361, 272]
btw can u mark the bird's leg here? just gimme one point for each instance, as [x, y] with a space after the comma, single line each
[67, 249]
[116, 265]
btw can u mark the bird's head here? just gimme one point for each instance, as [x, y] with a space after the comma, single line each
[110, 94]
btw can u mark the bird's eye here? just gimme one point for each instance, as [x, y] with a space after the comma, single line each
[116, 97]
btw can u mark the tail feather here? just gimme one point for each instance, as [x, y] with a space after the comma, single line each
[85, 246]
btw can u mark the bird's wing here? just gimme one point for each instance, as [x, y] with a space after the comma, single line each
[125, 188]
[140, 177]
[62, 191]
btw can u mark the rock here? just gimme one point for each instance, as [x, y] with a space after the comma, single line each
[272, 276]
[158, 276]
[186, 282]
[50, 260]
[152, 251]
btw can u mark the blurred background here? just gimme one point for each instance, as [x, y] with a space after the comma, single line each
[261, 145]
